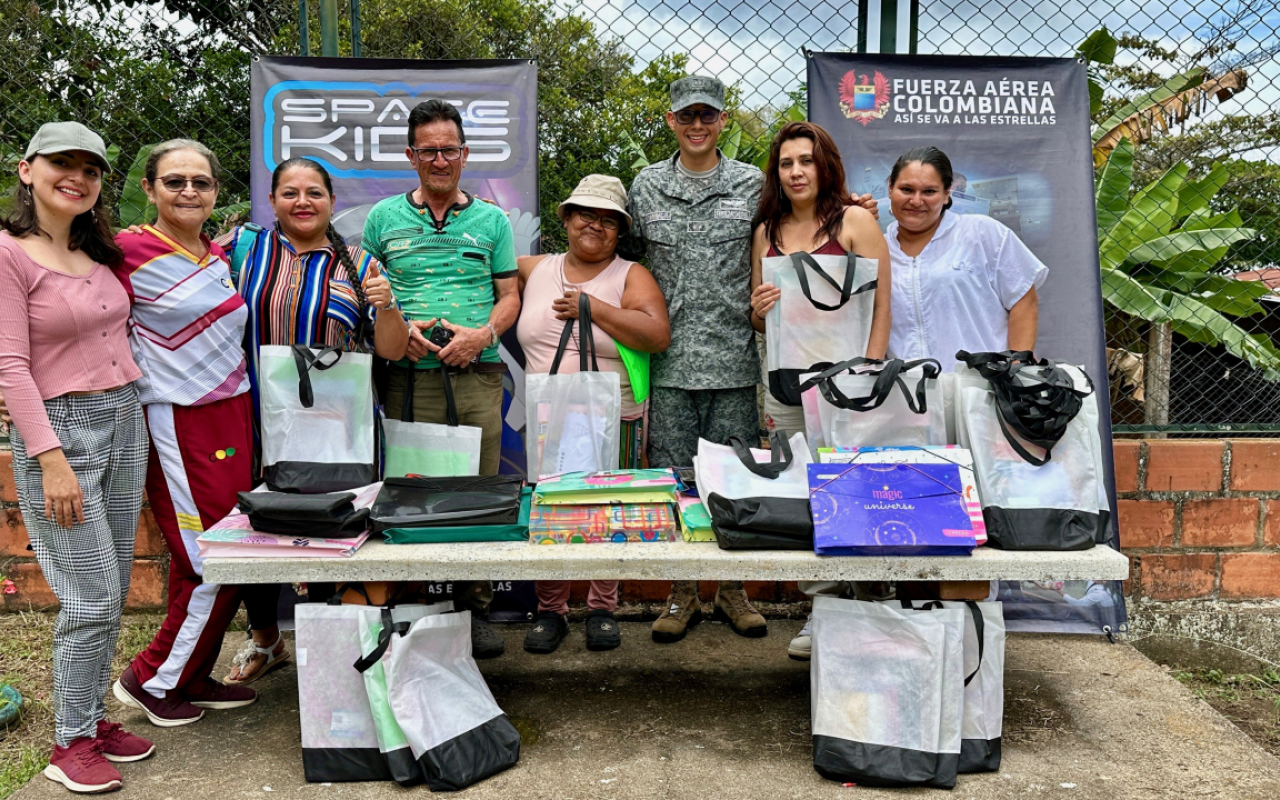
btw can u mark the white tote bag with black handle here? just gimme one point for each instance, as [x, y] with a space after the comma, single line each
[822, 317]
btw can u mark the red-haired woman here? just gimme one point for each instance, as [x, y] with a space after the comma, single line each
[804, 206]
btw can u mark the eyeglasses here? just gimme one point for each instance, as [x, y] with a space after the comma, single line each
[686, 116]
[176, 183]
[429, 153]
[608, 223]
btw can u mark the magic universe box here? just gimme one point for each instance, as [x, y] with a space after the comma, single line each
[871, 509]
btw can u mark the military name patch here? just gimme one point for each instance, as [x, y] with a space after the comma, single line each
[658, 216]
[733, 213]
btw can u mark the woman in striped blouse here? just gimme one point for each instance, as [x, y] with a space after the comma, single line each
[303, 285]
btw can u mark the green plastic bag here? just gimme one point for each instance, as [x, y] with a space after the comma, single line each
[637, 365]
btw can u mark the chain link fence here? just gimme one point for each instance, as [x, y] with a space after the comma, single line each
[1192, 286]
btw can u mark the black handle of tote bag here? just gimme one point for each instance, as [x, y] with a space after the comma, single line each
[801, 260]
[384, 639]
[780, 456]
[450, 406]
[307, 361]
[979, 624]
[586, 339]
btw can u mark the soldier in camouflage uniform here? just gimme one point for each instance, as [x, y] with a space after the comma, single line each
[692, 217]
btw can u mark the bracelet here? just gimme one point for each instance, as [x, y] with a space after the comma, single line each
[493, 331]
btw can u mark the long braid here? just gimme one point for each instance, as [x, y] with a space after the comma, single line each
[353, 275]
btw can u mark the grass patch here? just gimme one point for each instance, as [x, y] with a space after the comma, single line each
[1252, 702]
[26, 663]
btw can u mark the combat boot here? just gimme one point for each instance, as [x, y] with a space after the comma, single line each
[684, 610]
[733, 607]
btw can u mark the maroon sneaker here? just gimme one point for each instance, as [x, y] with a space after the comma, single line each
[208, 693]
[120, 745]
[168, 712]
[81, 767]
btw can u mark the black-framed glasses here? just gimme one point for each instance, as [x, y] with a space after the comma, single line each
[686, 116]
[176, 183]
[429, 153]
[608, 223]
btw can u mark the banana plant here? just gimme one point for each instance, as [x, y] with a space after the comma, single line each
[1158, 249]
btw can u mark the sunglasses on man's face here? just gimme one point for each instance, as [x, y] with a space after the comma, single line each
[176, 183]
[686, 116]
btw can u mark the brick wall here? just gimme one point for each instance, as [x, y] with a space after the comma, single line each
[1200, 518]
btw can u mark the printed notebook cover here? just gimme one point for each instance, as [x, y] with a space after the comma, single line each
[615, 486]
[640, 522]
[889, 509]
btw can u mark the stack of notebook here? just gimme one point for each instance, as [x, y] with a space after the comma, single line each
[637, 505]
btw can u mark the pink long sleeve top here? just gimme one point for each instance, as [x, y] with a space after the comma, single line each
[59, 333]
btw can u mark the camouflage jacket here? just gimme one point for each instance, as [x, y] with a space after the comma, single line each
[698, 243]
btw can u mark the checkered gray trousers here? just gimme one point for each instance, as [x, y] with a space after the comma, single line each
[104, 437]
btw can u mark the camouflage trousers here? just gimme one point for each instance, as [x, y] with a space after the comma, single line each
[679, 417]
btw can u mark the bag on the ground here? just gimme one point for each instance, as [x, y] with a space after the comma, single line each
[984, 643]
[422, 448]
[822, 317]
[894, 404]
[317, 418]
[339, 736]
[377, 629]
[757, 499]
[887, 686]
[1037, 452]
[288, 514]
[573, 421]
[455, 729]
[446, 502]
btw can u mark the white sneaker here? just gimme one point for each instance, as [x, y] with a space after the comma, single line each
[801, 647]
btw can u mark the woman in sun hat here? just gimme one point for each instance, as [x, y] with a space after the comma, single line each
[629, 321]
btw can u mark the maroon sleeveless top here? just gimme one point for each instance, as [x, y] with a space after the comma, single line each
[831, 248]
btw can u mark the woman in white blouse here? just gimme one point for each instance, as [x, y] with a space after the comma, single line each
[960, 282]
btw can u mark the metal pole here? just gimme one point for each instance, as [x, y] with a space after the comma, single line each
[304, 45]
[355, 29]
[862, 25]
[888, 26]
[329, 27]
[915, 26]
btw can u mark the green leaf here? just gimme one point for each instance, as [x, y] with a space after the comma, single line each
[1195, 195]
[1132, 297]
[1151, 213]
[732, 140]
[135, 209]
[1165, 248]
[1095, 96]
[1221, 293]
[1112, 192]
[1098, 47]
[1200, 323]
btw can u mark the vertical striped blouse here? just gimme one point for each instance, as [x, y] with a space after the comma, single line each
[298, 298]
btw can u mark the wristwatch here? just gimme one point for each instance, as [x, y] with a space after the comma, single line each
[494, 331]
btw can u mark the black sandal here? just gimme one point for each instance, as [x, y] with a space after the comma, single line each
[603, 632]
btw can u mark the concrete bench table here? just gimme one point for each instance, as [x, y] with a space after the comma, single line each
[378, 561]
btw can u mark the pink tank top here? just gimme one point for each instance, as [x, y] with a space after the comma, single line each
[539, 331]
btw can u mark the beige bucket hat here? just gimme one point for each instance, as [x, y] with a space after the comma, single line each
[598, 191]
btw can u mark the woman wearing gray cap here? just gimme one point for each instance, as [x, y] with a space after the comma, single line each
[78, 437]
[629, 320]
